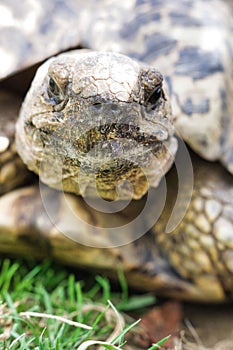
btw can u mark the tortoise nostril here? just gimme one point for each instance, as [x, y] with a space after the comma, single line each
[114, 107]
[97, 105]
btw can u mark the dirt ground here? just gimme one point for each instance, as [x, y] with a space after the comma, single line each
[191, 326]
[211, 325]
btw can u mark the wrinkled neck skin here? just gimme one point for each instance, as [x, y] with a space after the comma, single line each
[97, 124]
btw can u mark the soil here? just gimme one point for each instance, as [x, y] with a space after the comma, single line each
[191, 326]
[212, 325]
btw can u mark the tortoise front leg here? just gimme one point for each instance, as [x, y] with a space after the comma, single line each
[30, 228]
[12, 170]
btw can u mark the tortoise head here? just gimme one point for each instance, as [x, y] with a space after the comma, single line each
[95, 124]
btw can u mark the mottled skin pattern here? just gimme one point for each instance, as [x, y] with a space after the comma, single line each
[201, 247]
[12, 171]
[191, 44]
[191, 263]
[97, 113]
[189, 41]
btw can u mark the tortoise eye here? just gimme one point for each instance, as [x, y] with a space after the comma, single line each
[53, 88]
[156, 94]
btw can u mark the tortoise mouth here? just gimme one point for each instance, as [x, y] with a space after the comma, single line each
[125, 136]
[122, 133]
[107, 127]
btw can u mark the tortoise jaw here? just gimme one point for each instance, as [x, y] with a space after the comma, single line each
[121, 133]
[151, 134]
[142, 134]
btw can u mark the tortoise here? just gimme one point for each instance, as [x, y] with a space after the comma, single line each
[106, 126]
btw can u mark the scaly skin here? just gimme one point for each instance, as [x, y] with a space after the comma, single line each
[12, 170]
[193, 262]
[201, 247]
[105, 116]
[190, 42]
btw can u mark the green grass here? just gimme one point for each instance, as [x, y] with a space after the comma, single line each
[45, 306]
